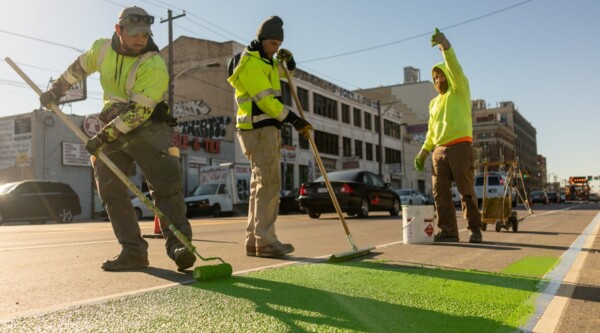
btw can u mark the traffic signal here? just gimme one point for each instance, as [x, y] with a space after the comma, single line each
[525, 175]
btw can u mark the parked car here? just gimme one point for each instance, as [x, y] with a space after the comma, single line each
[496, 183]
[409, 196]
[538, 197]
[209, 199]
[141, 211]
[562, 196]
[593, 197]
[358, 192]
[456, 197]
[38, 201]
[553, 197]
[289, 202]
[428, 199]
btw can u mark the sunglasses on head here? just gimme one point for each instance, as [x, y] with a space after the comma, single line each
[137, 18]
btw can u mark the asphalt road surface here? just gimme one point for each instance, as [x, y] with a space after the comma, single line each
[54, 266]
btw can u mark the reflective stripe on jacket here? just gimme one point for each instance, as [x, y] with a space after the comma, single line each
[257, 92]
[141, 81]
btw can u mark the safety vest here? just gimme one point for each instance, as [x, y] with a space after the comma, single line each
[257, 92]
[143, 79]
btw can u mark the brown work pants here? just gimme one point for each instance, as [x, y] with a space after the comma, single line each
[262, 147]
[454, 163]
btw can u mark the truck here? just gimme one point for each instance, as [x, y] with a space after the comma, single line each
[578, 188]
[222, 189]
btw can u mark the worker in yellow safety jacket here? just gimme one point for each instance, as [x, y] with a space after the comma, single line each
[450, 141]
[255, 76]
[138, 130]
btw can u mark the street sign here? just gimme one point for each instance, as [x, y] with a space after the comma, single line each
[77, 92]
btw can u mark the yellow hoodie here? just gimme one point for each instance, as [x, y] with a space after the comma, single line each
[450, 113]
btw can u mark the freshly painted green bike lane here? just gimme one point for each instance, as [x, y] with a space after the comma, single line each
[367, 296]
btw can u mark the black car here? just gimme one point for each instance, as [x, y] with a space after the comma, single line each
[289, 202]
[358, 192]
[553, 197]
[538, 197]
[37, 201]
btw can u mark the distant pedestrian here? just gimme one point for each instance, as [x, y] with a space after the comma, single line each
[450, 138]
[138, 130]
[255, 75]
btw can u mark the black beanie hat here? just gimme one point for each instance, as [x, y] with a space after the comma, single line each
[271, 28]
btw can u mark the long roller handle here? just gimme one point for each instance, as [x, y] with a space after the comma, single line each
[318, 158]
[165, 222]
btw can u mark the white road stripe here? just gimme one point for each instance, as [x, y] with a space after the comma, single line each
[549, 306]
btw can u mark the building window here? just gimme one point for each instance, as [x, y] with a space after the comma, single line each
[303, 97]
[329, 164]
[327, 143]
[369, 151]
[391, 128]
[303, 142]
[368, 121]
[303, 174]
[286, 94]
[325, 107]
[286, 135]
[392, 156]
[347, 146]
[358, 149]
[345, 113]
[357, 117]
[287, 176]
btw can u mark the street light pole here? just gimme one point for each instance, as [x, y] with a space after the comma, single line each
[403, 185]
[380, 140]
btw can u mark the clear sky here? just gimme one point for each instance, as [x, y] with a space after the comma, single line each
[540, 54]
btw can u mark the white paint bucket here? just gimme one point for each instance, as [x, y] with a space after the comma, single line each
[417, 224]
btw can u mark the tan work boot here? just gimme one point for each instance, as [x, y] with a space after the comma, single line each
[276, 249]
[126, 260]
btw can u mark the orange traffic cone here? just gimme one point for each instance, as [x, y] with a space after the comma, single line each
[157, 232]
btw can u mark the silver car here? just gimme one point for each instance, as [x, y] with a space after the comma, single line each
[141, 211]
[409, 196]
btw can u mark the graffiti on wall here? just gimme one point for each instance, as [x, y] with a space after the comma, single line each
[206, 128]
[195, 130]
[190, 109]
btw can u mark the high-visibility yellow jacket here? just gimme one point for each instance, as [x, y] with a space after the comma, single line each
[133, 85]
[257, 92]
[450, 113]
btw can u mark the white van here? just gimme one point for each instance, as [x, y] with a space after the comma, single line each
[496, 183]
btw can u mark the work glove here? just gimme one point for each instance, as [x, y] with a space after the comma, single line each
[420, 160]
[300, 124]
[96, 143]
[303, 127]
[109, 133]
[438, 38]
[47, 98]
[53, 95]
[287, 56]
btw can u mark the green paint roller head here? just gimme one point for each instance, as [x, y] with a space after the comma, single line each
[212, 272]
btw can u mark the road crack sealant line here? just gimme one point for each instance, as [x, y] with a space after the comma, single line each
[549, 306]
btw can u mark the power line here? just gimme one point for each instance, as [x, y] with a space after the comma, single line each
[415, 36]
[43, 41]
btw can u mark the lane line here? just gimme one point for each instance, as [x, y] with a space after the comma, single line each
[549, 306]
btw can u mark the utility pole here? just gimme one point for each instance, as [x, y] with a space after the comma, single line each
[171, 85]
